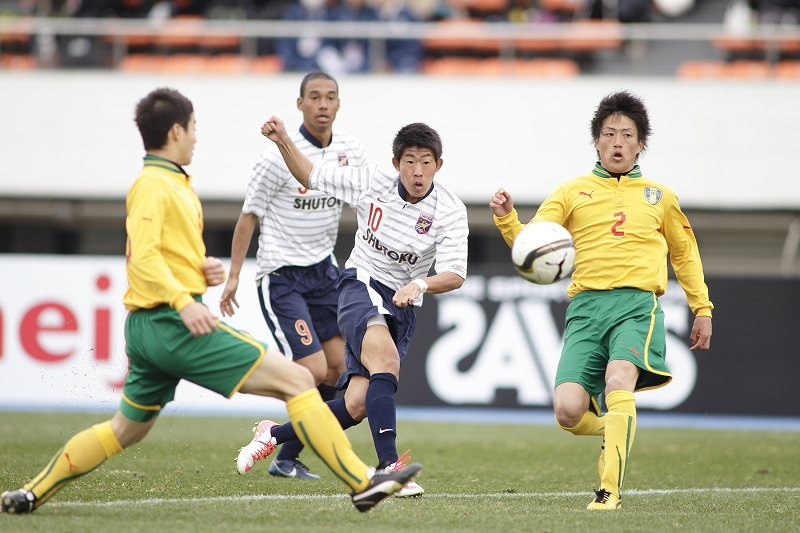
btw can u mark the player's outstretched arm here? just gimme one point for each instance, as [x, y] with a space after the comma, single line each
[438, 284]
[298, 164]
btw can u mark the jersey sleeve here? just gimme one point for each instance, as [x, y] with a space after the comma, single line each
[451, 244]
[344, 183]
[685, 258]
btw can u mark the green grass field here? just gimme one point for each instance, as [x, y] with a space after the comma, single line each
[478, 478]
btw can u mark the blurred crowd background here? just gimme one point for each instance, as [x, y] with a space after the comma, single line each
[353, 55]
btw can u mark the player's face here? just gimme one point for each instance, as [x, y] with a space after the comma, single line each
[417, 167]
[186, 141]
[618, 144]
[319, 106]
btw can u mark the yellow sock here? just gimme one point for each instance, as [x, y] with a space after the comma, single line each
[81, 454]
[319, 430]
[620, 429]
[590, 424]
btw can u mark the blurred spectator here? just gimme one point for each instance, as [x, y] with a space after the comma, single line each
[621, 10]
[354, 53]
[776, 11]
[309, 52]
[405, 55]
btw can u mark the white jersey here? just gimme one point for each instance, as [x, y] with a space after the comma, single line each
[397, 242]
[298, 226]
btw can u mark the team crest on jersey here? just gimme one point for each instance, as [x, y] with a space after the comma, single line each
[342, 157]
[424, 223]
[653, 195]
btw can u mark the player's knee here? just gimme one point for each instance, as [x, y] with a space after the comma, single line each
[301, 378]
[568, 414]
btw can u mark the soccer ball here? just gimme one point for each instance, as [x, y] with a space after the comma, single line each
[543, 253]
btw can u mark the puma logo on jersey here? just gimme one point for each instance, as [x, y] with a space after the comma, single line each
[589, 194]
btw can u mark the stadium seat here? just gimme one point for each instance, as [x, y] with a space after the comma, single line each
[140, 62]
[748, 69]
[450, 66]
[268, 64]
[787, 70]
[547, 67]
[735, 45]
[697, 68]
[227, 64]
[496, 66]
[738, 69]
[183, 33]
[18, 61]
[462, 36]
[593, 35]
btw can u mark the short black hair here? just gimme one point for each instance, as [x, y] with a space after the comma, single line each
[311, 76]
[157, 112]
[622, 103]
[417, 135]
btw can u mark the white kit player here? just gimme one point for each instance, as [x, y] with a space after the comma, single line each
[296, 272]
[405, 223]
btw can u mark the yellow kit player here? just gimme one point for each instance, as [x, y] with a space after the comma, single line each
[170, 335]
[623, 226]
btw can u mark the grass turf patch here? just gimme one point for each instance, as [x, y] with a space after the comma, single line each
[477, 477]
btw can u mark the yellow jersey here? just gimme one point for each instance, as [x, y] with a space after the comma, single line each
[623, 229]
[165, 248]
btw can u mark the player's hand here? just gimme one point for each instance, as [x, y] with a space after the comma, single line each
[274, 129]
[198, 319]
[501, 203]
[405, 296]
[227, 301]
[214, 271]
[701, 333]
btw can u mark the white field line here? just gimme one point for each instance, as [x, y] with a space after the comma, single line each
[498, 495]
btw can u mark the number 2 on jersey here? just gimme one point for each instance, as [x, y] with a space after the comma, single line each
[614, 229]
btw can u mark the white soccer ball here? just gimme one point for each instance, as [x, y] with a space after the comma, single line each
[543, 253]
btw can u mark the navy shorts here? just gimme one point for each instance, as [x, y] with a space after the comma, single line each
[361, 297]
[299, 305]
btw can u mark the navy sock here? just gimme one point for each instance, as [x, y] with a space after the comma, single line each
[285, 433]
[292, 448]
[382, 416]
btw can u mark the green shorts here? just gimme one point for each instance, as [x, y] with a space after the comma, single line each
[161, 351]
[620, 324]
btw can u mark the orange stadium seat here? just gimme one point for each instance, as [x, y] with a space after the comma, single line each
[593, 35]
[183, 32]
[140, 62]
[787, 70]
[450, 66]
[18, 61]
[696, 68]
[462, 35]
[547, 67]
[750, 70]
[268, 64]
[227, 64]
[496, 66]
